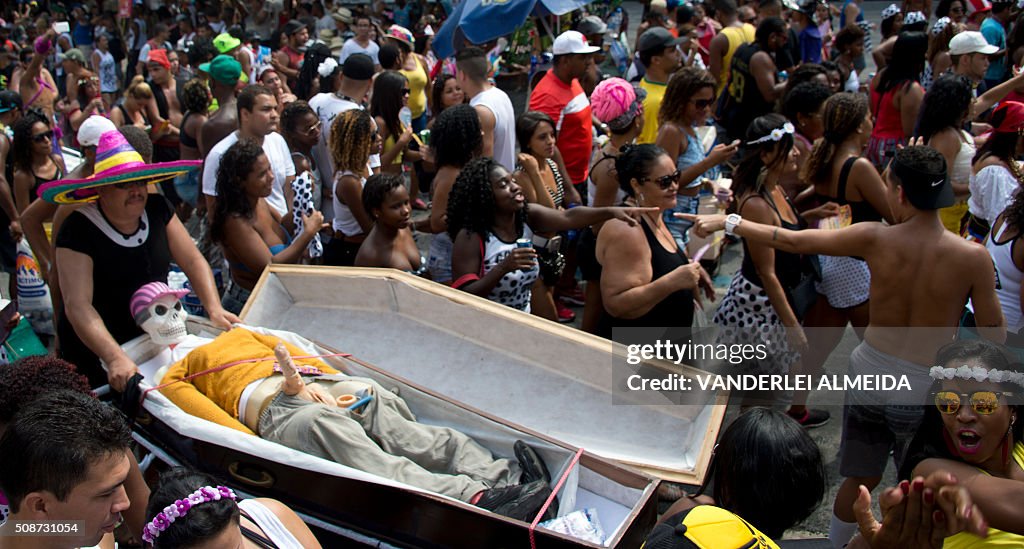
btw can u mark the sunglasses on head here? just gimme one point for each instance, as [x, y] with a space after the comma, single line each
[703, 103]
[983, 402]
[124, 186]
[664, 181]
[39, 138]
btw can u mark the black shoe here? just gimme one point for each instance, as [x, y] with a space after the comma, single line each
[521, 502]
[533, 467]
[811, 418]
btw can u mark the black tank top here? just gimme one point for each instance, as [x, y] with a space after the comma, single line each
[744, 101]
[860, 210]
[184, 137]
[787, 264]
[675, 310]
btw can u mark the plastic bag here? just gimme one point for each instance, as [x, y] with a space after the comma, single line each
[33, 294]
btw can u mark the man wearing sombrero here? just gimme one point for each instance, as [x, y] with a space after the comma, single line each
[122, 238]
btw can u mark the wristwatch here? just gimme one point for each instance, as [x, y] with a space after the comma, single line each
[731, 222]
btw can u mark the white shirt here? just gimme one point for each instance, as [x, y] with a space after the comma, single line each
[327, 107]
[504, 150]
[992, 190]
[277, 153]
[351, 46]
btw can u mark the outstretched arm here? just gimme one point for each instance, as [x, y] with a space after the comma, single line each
[856, 240]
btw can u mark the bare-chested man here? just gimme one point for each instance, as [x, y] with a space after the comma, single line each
[921, 279]
[37, 87]
[165, 91]
[224, 73]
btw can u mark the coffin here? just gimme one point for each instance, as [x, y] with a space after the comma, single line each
[344, 504]
[538, 375]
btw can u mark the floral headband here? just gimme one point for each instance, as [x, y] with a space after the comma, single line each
[977, 373]
[178, 509]
[775, 134]
[327, 67]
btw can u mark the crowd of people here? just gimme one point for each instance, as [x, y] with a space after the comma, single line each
[218, 139]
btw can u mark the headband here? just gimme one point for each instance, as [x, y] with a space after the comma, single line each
[977, 373]
[940, 24]
[178, 509]
[775, 134]
[327, 67]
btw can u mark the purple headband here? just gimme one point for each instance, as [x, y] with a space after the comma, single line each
[176, 510]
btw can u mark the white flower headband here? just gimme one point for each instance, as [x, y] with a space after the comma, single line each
[327, 67]
[977, 373]
[775, 135]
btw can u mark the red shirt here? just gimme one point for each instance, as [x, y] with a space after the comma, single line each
[569, 107]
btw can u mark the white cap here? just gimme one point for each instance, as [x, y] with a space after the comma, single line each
[970, 42]
[90, 131]
[572, 42]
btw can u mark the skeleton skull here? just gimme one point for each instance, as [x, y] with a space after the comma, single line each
[164, 320]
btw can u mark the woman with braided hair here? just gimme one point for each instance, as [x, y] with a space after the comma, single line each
[488, 218]
[354, 137]
[841, 175]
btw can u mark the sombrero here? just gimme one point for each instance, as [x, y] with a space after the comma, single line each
[116, 162]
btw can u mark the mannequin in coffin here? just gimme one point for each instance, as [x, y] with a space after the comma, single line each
[273, 392]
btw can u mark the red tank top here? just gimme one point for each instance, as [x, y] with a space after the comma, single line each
[888, 123]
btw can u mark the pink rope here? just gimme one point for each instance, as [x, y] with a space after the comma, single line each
[551, 498]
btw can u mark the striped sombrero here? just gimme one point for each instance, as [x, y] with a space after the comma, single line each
[116, 162]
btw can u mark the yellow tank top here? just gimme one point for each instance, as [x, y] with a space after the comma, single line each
[737, 36]
[417, 89]
[996, 538]
[390, 142]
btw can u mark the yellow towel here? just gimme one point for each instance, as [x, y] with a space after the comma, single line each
[214, 396]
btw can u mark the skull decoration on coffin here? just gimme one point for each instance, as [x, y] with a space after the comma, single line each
[157, 309]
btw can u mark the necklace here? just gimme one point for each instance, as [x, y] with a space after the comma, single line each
[660, 230]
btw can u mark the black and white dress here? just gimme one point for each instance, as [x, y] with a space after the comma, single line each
[746, 315]
[514, 289]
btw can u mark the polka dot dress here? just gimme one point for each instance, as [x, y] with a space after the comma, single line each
[746, 316]
[302, 203]
[845, 281]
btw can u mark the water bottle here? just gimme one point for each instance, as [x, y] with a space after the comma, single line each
[615, 21]
[405, 117]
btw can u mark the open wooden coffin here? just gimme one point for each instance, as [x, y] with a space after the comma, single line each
[346, 504]
[533, 373]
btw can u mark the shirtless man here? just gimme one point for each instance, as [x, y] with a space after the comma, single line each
[915, 307]
[224, 73]
[165, 92]
[36, 84]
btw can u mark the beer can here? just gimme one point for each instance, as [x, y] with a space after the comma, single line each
[524, 243]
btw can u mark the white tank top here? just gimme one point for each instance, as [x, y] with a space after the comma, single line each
[1008, 278]
[344, 221]
[504, 125]
[272, 526]
[961, 171]
[514, 288]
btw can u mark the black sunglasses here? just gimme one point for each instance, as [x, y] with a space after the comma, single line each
[406, 91]
[703, 103]
[39, 138]
[664, 181]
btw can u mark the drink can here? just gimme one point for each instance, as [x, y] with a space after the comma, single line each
[524, 243]
[425, 137]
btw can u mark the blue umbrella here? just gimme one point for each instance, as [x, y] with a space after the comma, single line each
[479, 21]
